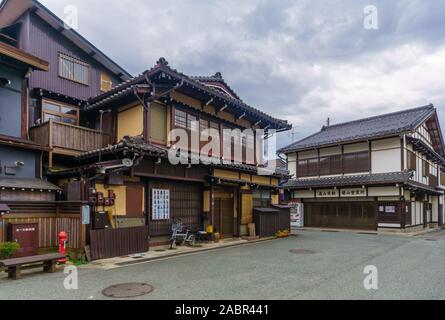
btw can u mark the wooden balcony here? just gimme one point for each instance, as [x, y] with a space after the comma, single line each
[67, 139]
[433, 181]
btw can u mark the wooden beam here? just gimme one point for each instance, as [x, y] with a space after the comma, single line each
[22, 56]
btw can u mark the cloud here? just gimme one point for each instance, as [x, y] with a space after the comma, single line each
[302, 60]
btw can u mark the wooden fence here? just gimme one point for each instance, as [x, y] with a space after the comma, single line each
[109, 243]
[52, 217]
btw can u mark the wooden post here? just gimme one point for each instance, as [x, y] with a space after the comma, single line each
[50, 144]
[240, 211]
[147, 116]
[212, 206]
[402, 214]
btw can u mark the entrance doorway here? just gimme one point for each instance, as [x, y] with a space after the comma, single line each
[224, 212]
[341, 215]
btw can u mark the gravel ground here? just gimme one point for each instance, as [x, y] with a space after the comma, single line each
[408, 268]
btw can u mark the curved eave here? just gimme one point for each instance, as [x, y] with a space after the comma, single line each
[164, 72]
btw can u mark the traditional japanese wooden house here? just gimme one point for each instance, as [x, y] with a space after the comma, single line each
[134, 172]
[77, 71]
[21, 181]
[103, 138]
[40, 115]
[379, 173]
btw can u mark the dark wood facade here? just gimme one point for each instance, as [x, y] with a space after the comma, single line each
[82, 143]
[38, 37]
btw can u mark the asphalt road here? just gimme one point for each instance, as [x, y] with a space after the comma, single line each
[408, 268]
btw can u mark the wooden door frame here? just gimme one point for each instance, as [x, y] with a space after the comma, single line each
[425, 214]
[236, 195]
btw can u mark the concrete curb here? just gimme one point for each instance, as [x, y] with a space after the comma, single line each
[178, 254]
[368, 232]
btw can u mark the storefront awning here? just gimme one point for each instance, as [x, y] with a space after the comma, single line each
[350, 181]
[4, 208]
[220, 180]
[27, 184]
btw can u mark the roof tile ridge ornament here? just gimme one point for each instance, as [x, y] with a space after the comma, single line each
[162, 62]
[218, 75]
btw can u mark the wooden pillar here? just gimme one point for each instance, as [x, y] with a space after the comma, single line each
[147, 112]
[402, 209]
[212, 206]
[50, 144]
[147, 204]
[240, 212]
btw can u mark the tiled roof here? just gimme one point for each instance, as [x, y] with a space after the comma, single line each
[374, 127]
[27, 184]
[138, 144]
[163, 67]
[356, 180]
[217, 78]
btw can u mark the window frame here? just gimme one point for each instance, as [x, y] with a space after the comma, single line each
[109, 82]
[312, 167]
[209, 123]
[178, 124]
[426, 170]
[357, 166]
[411, 160]
[265, 202]
[74, 61]
[59, 114]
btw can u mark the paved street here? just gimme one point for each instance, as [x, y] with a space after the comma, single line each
[409, 268]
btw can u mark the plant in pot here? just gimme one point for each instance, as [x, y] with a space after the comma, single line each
[8, 249]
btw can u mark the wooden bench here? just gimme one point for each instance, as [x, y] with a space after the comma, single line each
[14, 266]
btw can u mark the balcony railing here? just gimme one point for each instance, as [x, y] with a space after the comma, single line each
[433, 181]
[68, 139]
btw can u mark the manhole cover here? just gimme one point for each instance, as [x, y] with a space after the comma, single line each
[302, 251]
[127, 290]
[429, 239]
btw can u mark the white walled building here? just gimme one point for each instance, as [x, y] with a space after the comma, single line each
[383, 172]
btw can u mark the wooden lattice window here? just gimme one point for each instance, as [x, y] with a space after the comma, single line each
[411, 161]
[356, 162]
[74, 69]
[105, 82]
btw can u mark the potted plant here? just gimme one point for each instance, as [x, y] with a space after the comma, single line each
[8, 249]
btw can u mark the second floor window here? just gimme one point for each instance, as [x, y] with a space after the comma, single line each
[426, 169]
[180, 119]
[330, 165]
[106, 84]
[52, 110]
[73, 69]
[261, 198]
[358, 162]
[411, 161]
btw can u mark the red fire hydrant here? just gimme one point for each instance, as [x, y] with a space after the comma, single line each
[63, 238]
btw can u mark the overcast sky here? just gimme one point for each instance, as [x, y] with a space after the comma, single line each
[300, 60]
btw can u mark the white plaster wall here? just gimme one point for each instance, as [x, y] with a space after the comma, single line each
[357, 147]
[304, 194]
[383, 191]
[307, 154]
[292, 164]
[441, 201]
[435, 203]
[386, 156]
[330, 151]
